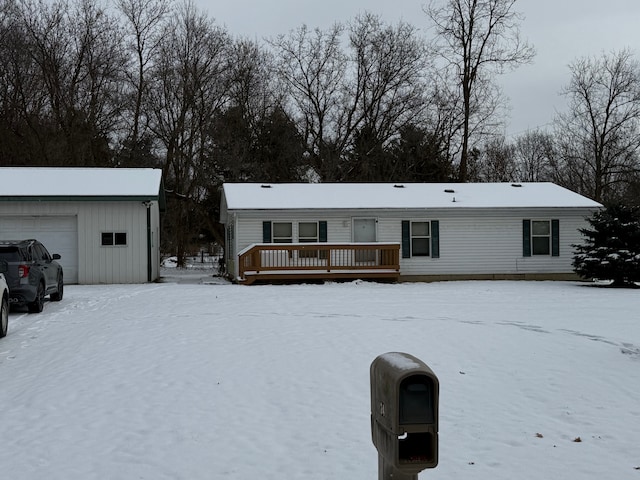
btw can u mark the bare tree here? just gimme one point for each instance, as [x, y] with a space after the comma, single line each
[477, 38]
[77, 51]
[496, 162]
[352, 99]
[144, 18]
[254, 137]
[389, 88]
[254, 84]
[599, 135]
[313, 68]
[535, 157]
[190, 81]
[20, 92]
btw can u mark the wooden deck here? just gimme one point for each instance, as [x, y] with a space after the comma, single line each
[326, 261]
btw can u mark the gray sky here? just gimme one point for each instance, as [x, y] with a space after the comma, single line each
[560, 30]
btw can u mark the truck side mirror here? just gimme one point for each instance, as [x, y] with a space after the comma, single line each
[404, 413]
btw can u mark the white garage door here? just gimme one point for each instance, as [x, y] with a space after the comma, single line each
[58, 233]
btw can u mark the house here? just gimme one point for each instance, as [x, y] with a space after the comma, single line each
[402, 231]
[104, 222]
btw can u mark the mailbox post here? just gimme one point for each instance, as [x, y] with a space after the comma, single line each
[404, 415]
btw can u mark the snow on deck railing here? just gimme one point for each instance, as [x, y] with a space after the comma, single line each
[315, 257]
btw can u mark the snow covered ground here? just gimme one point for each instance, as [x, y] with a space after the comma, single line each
[194, 378]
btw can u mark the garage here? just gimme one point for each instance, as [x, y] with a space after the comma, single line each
[59, 234]
[103, 222]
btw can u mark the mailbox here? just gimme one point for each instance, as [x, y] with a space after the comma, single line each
[404, 412]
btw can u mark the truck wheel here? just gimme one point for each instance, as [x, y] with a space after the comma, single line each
[57, 295]
[38, 304]
[4, 317]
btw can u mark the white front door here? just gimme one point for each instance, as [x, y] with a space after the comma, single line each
[364, 230]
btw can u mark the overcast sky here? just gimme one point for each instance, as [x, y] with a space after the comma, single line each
[560, 30]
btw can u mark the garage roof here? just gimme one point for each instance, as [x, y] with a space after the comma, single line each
[256, 196]
[71, 183]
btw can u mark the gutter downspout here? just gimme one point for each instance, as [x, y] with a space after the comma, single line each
[149, 266]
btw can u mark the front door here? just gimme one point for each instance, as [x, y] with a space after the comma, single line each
[364, 231]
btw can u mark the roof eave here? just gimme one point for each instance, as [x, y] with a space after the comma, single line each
[84, 198]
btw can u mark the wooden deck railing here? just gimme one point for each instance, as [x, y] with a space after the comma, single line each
[300, 261]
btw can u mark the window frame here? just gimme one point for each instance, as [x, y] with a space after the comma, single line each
[305, 239]
[406, 244]
[114, 235]
[554, 237]
[413, 236]
[546, 236]
[281, 239]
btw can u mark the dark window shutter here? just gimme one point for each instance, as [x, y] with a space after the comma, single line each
[555, 238]
[322, 231]
[435, 239]
[266, 232]
[526, 238]
[406, 239]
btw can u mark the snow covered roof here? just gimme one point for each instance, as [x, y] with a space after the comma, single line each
[256, 196]
[80, 182]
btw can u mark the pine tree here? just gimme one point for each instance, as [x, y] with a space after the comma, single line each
[611, 250]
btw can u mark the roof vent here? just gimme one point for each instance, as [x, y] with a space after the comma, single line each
[449, 190]
[265, 186]
[398, 186]
[516, 184]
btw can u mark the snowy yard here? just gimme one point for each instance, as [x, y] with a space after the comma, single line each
[189, 380]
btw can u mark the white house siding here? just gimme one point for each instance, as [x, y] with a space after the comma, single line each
[248, 226]
[489, 242]
[86, 261]
[472, 241]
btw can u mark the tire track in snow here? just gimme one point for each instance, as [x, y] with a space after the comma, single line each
[26, 328]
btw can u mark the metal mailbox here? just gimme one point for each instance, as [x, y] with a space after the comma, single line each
[404, 412]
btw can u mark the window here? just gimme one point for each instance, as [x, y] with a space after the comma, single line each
[110, 239]
[540, 237]
[420, 239]
[308, 232]
[45, 253]
[11, 254]
[37, 253]
[282, 233]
